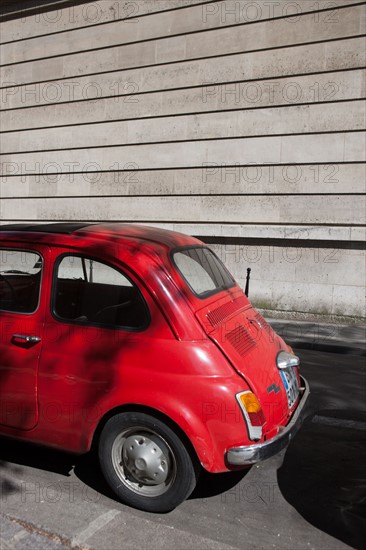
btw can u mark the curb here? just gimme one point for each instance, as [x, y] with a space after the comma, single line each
[342, 339]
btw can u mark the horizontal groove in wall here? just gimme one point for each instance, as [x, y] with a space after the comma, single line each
[304, 242]
[165, 37]
[140, 15]
[186, 114]
[308, 12]
[178, 168]
[180, 195]
[346, 179]
[236, 165]
[139, 144]
[207, 210]
[200, 222]
[186, 88]
[9, 11]
[182, 61]
[291, 243]
[178, 88]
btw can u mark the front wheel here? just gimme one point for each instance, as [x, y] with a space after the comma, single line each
[145, 462]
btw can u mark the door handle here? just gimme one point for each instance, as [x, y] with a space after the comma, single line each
[27, 338]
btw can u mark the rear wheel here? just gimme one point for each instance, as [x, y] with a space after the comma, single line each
[145, 462]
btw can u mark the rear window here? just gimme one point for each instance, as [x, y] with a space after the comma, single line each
[202, 270]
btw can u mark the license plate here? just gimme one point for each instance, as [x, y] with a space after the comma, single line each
[291, 385]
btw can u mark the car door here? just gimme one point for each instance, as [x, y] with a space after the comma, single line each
[98, 320]
[21, 332]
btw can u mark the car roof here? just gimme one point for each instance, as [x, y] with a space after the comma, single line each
[130, 232]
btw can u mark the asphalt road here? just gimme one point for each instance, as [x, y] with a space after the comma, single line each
[315, 499]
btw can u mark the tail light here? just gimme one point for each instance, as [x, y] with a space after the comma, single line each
[253, 413]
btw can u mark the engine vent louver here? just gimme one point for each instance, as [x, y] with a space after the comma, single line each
[219, 314]
[241, 340]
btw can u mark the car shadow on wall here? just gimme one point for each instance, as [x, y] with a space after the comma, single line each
[323, 475]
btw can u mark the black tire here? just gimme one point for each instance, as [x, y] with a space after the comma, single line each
[145, 463]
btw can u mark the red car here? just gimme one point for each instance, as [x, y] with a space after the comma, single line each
[138, 340]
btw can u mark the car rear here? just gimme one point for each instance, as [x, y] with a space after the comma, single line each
[276, 393]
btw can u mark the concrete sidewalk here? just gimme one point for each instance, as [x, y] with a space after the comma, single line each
[19, 535]
[344, 339]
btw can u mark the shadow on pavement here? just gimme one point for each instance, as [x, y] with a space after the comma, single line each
[14, 455]
[27, 454]
[323, 476]
[7, 485]
[210, 485]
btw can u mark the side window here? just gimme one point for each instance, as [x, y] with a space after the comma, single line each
[91, 292]
[20, 280]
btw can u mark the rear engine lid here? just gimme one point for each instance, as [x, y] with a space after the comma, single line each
[251, 346]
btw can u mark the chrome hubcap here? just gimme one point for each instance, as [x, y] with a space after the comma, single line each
[143, 461]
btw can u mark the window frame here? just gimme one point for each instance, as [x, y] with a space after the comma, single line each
[31, 251]
[208, 293]
[88, 323]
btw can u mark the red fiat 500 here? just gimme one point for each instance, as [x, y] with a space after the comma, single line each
[139, 340]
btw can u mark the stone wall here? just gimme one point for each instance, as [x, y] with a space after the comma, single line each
[239, 122]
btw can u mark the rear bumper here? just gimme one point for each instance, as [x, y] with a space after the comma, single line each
[250, 454]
